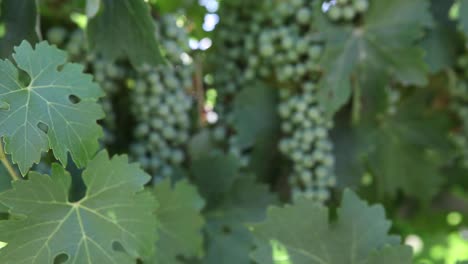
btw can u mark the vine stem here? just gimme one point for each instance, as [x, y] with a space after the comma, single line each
[7, 164]
[357, 104]
[199, 90]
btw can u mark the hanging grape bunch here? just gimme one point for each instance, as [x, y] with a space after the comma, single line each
[161, 104]
[281, 47]
[232, 71]
[345, 10]
[292, 52]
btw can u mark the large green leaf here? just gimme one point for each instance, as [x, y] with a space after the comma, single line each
[385, 40]
[56, 110]
[112, 223]
[180, 221]
[400, 157]
[18, 20]
[302, 234]
[214, 174]
[124, 28]
[227, 235]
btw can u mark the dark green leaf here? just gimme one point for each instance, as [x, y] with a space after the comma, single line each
[125, 28]
[255, 114]
[302, 234]
[400, 157]
[214, 174]
[18, 21]
[226, 234]
[385, 41]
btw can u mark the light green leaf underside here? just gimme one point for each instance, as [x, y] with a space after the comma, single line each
[304, 235]
[113, 213]
[57, 110]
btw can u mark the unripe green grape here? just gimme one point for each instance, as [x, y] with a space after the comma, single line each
[321, 172]
[287, 43]
[323, 195]
[267, 50]
[56, 35]
[154, 138]
[292, 55]
[286, 127]
[163, 110]
[334, 13]
[297, 156]
[329, 160]
[348, 13]
[303, 16]
[177, 157]
[320, 132]
[306, 177]
[298, 118]
[361, 6]
[315, 52]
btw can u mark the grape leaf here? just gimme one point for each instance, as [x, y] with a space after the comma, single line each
[214, 174]
[227, 234]
[112, 223]
[390, 255]
[400, 157]
[385, 40]
[255, 114]
[57, 110]
[258, 126]
[19, 24]
[180, 221]
[124, 28]
[304, 234]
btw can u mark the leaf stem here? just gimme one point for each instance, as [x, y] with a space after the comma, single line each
[38, 21]
[7, 164]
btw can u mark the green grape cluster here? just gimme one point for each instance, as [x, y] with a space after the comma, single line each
[279, 46]
[306, 143]
[161, 105]
[346, 10]
[111, 76]
[229, 62]
[289, 51]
